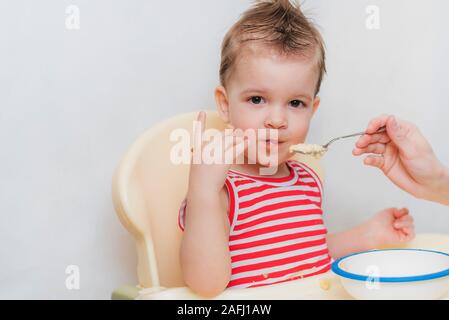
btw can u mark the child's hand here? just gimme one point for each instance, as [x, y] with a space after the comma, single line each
[210, 176]
[389, 227]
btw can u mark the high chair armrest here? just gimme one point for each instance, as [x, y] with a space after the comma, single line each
[125, 293]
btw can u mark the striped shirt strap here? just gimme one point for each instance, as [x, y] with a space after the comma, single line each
[314, 176]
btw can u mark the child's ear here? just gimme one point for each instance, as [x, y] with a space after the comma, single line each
[316, 104]
[221, 99]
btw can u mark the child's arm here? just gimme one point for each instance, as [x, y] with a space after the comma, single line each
[389, 227]
[205, 258]
[348, 242]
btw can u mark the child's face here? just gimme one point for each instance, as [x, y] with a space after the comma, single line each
[271, 92]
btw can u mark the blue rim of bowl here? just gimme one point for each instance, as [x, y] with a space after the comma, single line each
[337, 270]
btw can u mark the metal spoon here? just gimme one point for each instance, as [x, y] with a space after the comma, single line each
[319, 150]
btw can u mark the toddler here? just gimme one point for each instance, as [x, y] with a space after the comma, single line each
[243, 229]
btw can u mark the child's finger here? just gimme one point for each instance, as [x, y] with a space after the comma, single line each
[411, 235]
[231, 142]
[407, 235]
[403, 224]
[408, 230]
[240, 148]
[198, 118]
[405, 217]
[239, 141]
[199, 128]
[238, 132]
[235, 147]
[218, 143]
[398, 213]
[402, 236]
[374, 161]
[202, 118]
[376, 148]
[201, 123]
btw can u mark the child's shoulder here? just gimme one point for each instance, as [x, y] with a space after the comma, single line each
[304, 165]
[310, 169]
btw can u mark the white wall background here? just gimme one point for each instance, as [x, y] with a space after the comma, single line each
[71, 102]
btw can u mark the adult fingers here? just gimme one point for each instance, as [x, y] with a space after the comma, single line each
[399, 131]
[374, 161]
[368, 139]
[376, 148]
[376, 123]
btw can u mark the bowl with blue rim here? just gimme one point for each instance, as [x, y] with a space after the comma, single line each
[408, 274]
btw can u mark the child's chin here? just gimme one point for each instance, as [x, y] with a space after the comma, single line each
[267, 161]
[271, 162]
[267, 164]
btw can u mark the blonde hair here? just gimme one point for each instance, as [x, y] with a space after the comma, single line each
[277, 24]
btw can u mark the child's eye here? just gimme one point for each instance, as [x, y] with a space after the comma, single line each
[298, 103]
[256, 99]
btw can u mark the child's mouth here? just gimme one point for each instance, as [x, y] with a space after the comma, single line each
[273, 142]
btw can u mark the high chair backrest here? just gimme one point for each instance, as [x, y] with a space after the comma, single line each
[147, 192]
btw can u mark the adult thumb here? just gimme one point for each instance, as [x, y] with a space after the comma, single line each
[399, 135]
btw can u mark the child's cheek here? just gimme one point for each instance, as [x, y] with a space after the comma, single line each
[300, 133]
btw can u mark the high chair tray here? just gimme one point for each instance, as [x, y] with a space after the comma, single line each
[322, 287]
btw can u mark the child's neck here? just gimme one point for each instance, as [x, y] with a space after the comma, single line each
[254, 170]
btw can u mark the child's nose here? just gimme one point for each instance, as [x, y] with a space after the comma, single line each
[276, 119]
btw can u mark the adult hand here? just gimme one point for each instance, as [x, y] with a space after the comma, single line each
[405, 157]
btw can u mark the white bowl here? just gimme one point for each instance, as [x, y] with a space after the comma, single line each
[394, 274]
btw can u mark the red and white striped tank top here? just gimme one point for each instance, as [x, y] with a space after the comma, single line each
[277, 232]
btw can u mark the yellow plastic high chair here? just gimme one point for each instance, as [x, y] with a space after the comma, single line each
[147, 192]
